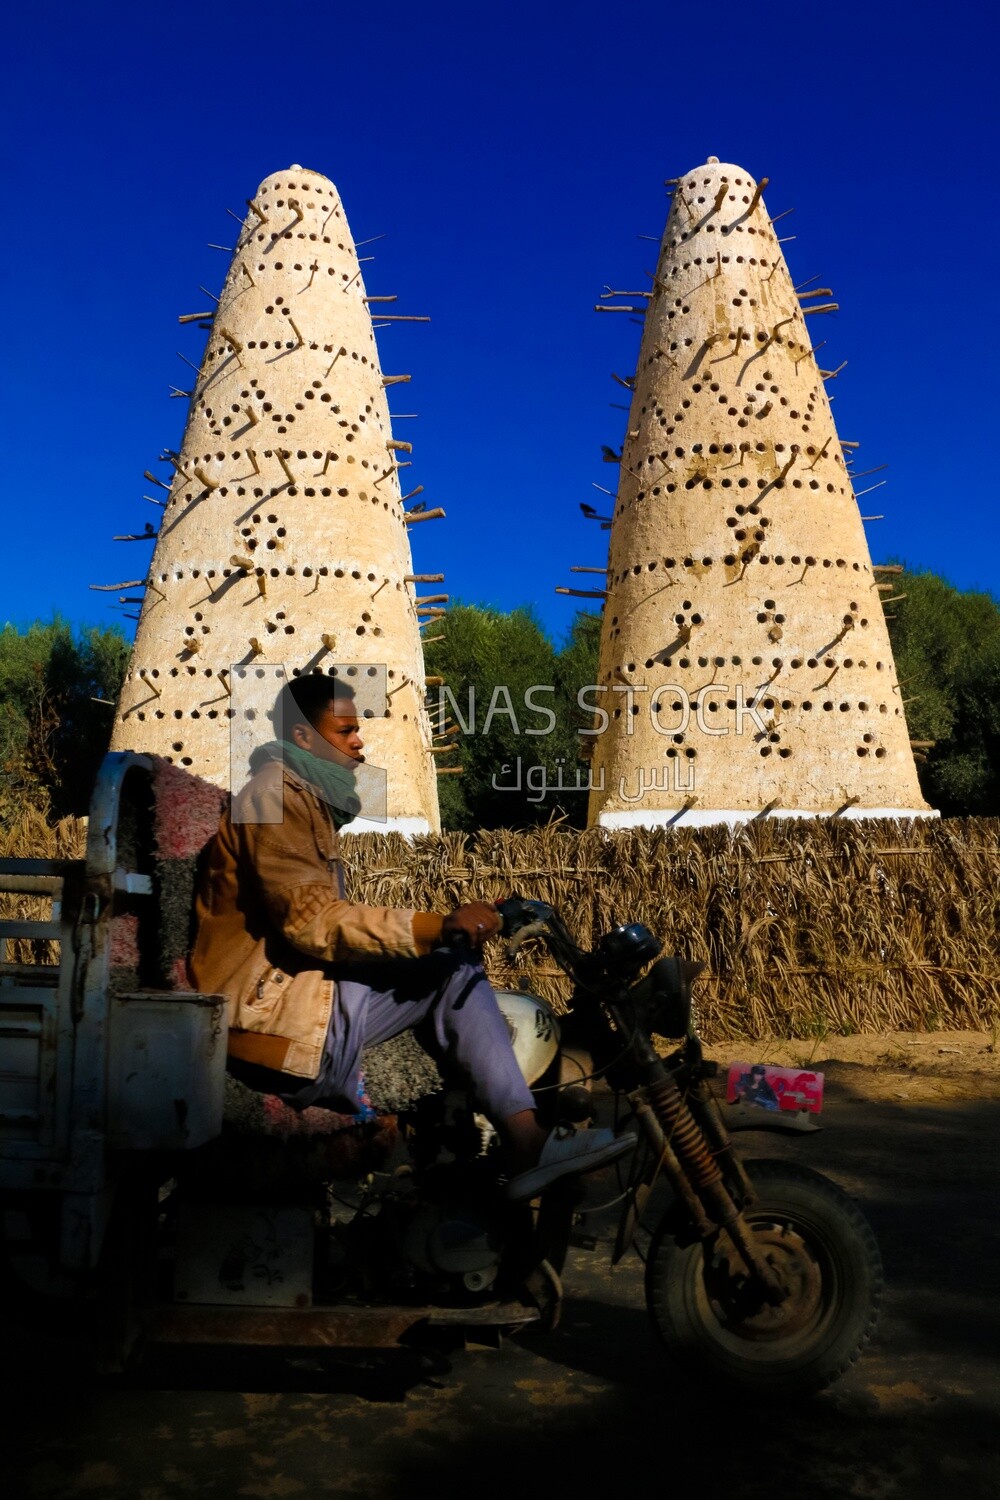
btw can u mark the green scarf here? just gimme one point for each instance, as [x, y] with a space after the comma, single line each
[333, 784]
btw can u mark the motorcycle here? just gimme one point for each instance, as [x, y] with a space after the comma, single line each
[762, 1275]
[132, 1211]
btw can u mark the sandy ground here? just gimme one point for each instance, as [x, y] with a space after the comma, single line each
[911, 1124]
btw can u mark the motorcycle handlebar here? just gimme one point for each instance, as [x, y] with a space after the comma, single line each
[517, 912]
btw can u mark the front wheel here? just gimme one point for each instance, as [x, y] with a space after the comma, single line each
[824, 1253]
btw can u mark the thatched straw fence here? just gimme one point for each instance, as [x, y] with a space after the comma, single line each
[27, 834]
[807, 928]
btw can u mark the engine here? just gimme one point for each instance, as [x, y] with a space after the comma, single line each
[456, 1240]
[446, 1221]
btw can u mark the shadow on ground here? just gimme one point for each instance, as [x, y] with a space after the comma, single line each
[593, 1404]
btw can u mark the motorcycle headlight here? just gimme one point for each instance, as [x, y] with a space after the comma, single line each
[625, 950]
[665, 995]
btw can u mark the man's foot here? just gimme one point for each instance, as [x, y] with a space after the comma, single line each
[565, 1152]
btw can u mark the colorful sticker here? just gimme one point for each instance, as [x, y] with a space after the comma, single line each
[774, 1088]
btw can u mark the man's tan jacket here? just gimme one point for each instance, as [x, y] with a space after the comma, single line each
[272, 917]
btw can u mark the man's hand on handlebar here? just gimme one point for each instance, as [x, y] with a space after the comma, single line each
[470, 925]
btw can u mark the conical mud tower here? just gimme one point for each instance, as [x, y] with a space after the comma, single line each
[745, 659]
[284, 540]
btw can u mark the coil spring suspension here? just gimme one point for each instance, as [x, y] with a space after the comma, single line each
[683, 1132]
[684, 1136]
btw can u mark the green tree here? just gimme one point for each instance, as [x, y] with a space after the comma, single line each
[946, 645]
[511, 707]
[54, 726]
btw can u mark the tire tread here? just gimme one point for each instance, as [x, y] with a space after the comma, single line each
[666, 1262]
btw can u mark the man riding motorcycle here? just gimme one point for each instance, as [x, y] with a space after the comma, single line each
[312, 979]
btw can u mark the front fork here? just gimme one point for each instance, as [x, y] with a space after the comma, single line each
[690, 1138]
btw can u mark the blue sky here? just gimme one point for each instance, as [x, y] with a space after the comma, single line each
[512, 158]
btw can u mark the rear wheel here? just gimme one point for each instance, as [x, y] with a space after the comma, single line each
[822, 1249]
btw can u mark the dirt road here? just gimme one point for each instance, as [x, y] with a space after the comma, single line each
[912, 1131]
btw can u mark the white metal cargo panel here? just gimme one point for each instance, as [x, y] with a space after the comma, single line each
[166, 1070]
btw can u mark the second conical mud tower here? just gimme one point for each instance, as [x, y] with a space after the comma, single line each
[283, 544]
[745, 659]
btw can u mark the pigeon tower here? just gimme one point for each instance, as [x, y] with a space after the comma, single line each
[283, 544]
[745, 660]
